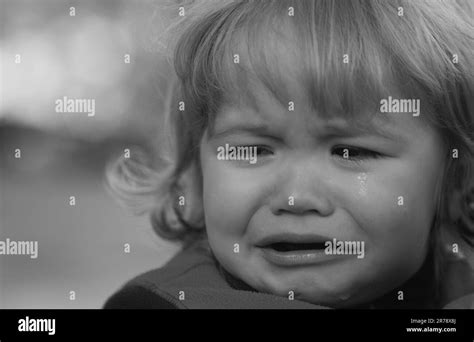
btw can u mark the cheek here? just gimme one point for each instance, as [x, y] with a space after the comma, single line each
[397, 211]
[229, 198]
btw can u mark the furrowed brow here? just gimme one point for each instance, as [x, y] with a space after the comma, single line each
[246, 128]
[353, 131]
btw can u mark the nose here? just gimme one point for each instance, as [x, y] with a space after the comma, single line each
[302, 189]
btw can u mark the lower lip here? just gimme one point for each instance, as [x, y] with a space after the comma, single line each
[297, 258]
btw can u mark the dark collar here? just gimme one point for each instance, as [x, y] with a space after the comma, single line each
[233, 282]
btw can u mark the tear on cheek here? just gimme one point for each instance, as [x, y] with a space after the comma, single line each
[362, 184]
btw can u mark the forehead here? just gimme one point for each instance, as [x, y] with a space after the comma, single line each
[293, 64]
[264, 111]
[262, 84]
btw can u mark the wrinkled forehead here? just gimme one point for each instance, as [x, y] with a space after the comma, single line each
[258, 104]
[264, 113]
[262, 109]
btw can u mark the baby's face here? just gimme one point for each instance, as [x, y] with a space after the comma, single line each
[315, 181]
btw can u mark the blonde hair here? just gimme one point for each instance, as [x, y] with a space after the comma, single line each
[413, 52]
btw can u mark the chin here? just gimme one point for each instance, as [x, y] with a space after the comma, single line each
[332, 301]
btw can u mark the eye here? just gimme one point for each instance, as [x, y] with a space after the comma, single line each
[244, 153]
[263, 150]
[352, 153]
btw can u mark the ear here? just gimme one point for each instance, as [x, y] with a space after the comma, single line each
[191, 183]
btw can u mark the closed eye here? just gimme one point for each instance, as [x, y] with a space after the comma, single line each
[352, 153]
[262, 150]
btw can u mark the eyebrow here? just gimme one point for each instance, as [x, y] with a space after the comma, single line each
[330, 130]
[259, 129]
[372, 130]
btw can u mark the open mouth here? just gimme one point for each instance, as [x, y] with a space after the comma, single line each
[291, 249]
[291, 246]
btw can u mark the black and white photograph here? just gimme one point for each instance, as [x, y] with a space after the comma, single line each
[236, 155]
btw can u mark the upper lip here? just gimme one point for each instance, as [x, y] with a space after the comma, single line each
[291, 238]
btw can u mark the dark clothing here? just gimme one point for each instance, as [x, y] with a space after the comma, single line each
[193, 279]
[194, 275]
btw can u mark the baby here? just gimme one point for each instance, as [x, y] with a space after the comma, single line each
[320, 155]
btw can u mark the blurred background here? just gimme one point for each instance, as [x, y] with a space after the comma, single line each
[106, 50]
[110, 51]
